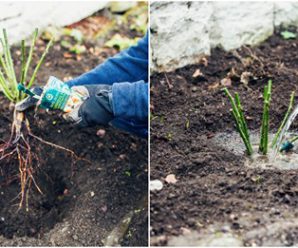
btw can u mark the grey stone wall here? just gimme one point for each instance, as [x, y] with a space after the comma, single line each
[183, 32]
[21, 18]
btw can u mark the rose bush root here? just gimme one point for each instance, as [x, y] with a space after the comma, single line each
[18, 146]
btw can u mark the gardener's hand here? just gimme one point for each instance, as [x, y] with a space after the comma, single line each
[96, 109]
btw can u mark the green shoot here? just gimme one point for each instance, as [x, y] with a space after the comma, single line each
[27, 65]
[23, 63]
[294, 139]
[237, 112]
[8, 79]
[290, 107]
[263, 147]
[39, 64]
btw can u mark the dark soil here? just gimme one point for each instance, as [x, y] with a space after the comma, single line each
[213, 185]
[81, 202]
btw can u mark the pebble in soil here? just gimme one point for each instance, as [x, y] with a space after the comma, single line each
[282, 161]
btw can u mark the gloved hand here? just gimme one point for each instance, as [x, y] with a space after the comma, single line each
[96, 109]
[83, 105]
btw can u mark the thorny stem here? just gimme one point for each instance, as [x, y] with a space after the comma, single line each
[263, 147]
[294, 139]
[239, 118]
[242, 118]
[290, 107]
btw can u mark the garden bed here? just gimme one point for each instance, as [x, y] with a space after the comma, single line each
[217, 198]
[82, 202]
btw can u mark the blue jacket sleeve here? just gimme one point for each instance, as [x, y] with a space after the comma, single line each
[130, 65]
[130, 101]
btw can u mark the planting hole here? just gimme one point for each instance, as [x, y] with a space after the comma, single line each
[233, 143]
[44, 210]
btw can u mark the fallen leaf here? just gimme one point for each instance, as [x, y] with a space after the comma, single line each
[171, 178]
[101, 133]
[67, 55]
[226, 82]
[197, 73]
[204, 61]
[213, 86]
[245, 76]
[288, 35]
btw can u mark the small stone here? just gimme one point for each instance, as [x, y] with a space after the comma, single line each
[156, 185]
[104, 208]
[226, 82]
[2, 219]
[194, 89]
[171, 195]
[75, 237]
[101, 133]
[92, 194]
[133, 147]
[99, 145]
[122, 156]
[197, 73]
[171, 179]
[233, 217]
